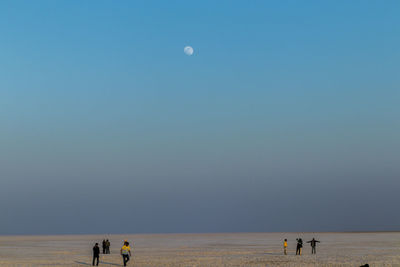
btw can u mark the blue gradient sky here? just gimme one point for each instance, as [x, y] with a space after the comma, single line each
[286, 118]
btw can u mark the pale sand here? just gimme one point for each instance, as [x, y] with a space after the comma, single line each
[246, 249]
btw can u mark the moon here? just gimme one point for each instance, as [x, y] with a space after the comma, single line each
[188, 50]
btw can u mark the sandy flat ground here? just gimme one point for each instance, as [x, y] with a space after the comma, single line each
[239, 249]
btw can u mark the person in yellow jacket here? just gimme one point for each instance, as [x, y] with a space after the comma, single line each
[126, 252]
[285, 247]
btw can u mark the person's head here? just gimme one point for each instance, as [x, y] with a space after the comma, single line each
[96, 244]
[127, 243]
[285, 239]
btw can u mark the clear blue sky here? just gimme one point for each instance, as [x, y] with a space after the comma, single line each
[286, 118]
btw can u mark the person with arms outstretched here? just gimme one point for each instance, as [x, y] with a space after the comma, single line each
[313, 244]
[125, 252]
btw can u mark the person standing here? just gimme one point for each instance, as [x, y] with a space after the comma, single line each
[104, 246]
[96, 254]
[299, 246]
[108, 244]
[313, 244]
[125, 252]
[285, 247]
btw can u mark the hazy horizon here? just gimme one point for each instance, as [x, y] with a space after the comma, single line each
[285, 118]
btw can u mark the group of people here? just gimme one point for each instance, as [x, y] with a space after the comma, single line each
[299, 246]
[125, 252]
[106, 246]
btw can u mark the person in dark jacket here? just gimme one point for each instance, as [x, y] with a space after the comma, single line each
[104, 246]
[313, 244]
[96, 254]
[299, 246]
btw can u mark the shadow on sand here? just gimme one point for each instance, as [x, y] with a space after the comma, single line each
[109, 263]
[83, 263]
[103, 262]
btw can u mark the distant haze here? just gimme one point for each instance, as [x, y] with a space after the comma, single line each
[288, 119]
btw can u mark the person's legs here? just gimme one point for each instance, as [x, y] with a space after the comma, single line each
[313, 250]
[94, 257]
[126, 259]
[98, 258]
[284, 251]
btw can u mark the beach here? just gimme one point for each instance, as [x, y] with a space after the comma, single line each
[227, 249]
